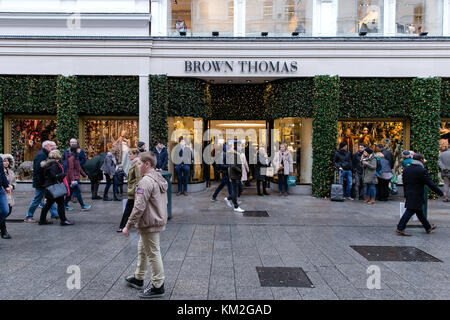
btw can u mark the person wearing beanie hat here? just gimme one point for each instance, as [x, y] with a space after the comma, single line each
[141, 146]
[369, 164]
[408, 158]
[343, 162]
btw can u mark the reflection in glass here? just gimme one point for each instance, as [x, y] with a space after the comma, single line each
[445, 130]
[416, 16]
[289, 132]
[278, 18]
[361, 15]
[191, 129]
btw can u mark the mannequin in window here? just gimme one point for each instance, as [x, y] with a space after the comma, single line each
[123, 144]
[180, 25]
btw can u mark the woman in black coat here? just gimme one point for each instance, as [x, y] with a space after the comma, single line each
[262, 162]
[53, 173]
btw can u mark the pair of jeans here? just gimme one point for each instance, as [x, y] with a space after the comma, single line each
[61, 209]
[114, 183]
[182, 171]
[4, 207]
[346, 174]
[408, 214]
[234, 195]
[126, 213]
[149, 251]
[38, 196]
[258, 186]
[75, 191]
[283, 182]
[225, 181]
[371, 190]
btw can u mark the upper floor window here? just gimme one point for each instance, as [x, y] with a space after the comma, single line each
[360, 16]
[416, 16]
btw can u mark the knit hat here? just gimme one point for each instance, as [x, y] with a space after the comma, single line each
[406, 154]
[140, 144]
[342, 144]
[368, 150]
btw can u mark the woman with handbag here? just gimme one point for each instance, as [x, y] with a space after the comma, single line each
[284, 166]
[261, 167]
[56, 188]
[8, 165]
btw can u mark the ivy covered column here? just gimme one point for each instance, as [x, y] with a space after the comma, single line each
[425, 113]
[325, 102]
[66, 110]
[159, 97]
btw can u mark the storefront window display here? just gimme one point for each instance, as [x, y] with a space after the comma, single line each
[103, 135]
[416, 16]
[201, 17]
[191, 129]
[445, 130]
[362, 15]
[24, 137]
[288, 131]
[278, 18]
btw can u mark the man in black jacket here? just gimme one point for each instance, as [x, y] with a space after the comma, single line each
[386, 153]
[415, 177]
[235, 173]
[92, 167]
[4, 190]
[38, 180]
[343, 163]
[357, 169]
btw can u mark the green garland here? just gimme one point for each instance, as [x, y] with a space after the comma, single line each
[187, 97]
[67, 111]
[326, 109]
[159, 97]
[445, 98]
[425, 121]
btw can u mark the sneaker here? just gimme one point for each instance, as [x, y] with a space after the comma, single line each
[131, 281]
[228, 202]
[238, 209]
[433, 226]
[29, 220]
[41, 205]
[213, 199]
[152, 292]
[85, 207]
[402, 233]
[69, 208]
[349, 198]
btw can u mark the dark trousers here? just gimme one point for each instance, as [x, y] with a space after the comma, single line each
[61, 209]
[3, 224]
[359, 186]
[182, 171]
[126, 213]
[225, 181]
[75, 191]
[110, 181]
[234, 193]
[408, 214]
[120, 187]
[94, 188]
[383, 189]
[283, 182]
[258, 186]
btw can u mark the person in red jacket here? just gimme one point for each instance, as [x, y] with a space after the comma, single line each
[74, 171]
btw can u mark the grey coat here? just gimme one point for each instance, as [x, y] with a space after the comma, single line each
[369, 169]
[109, 165]
[444, 163]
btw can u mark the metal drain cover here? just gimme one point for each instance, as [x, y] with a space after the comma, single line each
[256, 214]
[394, 253]
[283, 277]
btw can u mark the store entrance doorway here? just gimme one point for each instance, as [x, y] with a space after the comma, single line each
[251, 133]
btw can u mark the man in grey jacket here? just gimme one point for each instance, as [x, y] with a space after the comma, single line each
[444, 166]
[109, 169]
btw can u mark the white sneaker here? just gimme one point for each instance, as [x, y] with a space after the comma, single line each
[228, 202]
[238, 209]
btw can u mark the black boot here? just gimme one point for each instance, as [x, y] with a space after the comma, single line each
[116, 198]
[4, 232]
[94, 190]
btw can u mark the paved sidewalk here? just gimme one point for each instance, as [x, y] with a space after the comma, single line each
[209, 252]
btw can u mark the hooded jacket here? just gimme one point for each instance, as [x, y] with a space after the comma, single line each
[342, 158]
[150, 205]
[53, 173]
[10, 176]
[161, 157]
[134, 176]
[109, 165]
[369, 169]
[73, 168]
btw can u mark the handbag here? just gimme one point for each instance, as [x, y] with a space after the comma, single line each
[292, 181]
[269, 172]
[57, 190]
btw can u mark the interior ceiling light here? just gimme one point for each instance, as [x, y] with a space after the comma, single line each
[262, 125]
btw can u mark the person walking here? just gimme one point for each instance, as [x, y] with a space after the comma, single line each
[142, 147]
[8, 167]
[121, 176]
[92, 167]
[358, 172]
[39, 191]
[134, 176]
[284, 166]
[415, 177]
[235, 174]
[444, 166]
[162, 156]
[53, 173]
[109, 169]
[343, 162]
[407, 156]
[221, 163]
[384, 178]
[149, 216]
[73, 172]
[183, 164]
[262, 163]
[369, 165]
[245, 170]
[73, 144]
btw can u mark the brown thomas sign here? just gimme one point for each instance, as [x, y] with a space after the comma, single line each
[243, 66]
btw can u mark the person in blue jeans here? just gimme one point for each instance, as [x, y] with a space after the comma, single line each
[183, 161]
[4, 188]
[38, 180]
[223, 167]
[343, 162]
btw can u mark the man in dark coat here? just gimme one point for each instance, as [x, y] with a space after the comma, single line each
[38, 181]
[358, 171]
[95, 174]
[81, 155]
[343, 162]
[415, 177]
[162, 156]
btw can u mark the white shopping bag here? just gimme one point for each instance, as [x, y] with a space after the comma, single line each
[402, 211]
[124, 204]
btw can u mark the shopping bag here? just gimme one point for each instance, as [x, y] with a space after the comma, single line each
[269, 172]
[292, 181]
[402, 211]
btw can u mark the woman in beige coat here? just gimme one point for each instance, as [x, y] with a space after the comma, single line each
[284, 166]
[8, 165]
